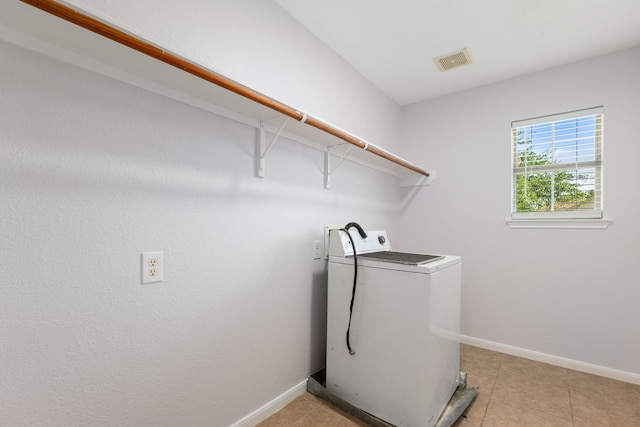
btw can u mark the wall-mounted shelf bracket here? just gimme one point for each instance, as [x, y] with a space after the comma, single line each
[262, 149]
[414, 182]
[328, 168]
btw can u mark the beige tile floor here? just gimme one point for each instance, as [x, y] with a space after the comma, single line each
[513, 392]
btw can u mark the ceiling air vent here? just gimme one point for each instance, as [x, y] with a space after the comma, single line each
[453, 60]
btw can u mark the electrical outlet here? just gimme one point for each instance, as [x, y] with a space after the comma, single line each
[152, 268]
[317, 253]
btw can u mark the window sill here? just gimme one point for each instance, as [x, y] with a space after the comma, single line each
[593, 224]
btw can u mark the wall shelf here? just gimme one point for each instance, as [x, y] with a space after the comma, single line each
[140, 63]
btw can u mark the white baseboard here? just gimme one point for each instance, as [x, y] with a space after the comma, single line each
[576, 365]
[272, 407]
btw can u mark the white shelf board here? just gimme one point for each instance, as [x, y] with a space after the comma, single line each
[31, 28]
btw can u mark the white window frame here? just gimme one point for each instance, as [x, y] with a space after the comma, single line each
[591, 218]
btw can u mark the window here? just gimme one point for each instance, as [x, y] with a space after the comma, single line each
[557, 166]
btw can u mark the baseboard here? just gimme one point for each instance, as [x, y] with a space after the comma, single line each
[272, 407]
[576, 365]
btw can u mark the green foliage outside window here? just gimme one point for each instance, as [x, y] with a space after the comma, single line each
[557, 190]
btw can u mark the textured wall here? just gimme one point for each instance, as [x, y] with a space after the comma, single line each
[92, 173]
[567, 293]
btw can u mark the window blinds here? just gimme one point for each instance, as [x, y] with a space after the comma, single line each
[557, 166]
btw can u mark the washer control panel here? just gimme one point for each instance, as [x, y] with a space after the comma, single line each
[340, 244]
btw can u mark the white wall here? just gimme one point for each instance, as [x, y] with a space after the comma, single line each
[564, 293]
[92, 173]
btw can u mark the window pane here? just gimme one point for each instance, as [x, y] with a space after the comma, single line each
[533, 192]
[575, 140]
[574, 190]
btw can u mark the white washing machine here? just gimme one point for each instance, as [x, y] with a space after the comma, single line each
[404, 329]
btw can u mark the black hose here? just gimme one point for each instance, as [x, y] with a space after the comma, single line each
[360, 230]
[355, 276]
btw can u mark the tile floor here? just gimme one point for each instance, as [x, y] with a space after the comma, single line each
[513, 392]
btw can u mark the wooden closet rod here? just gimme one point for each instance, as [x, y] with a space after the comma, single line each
[105, 30]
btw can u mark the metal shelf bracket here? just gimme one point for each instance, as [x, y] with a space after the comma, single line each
[261, 151]
[414, 183]
[328, 169]
[414, 180]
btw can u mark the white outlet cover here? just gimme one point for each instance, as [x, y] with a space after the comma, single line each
[317, 249]
[152, 267]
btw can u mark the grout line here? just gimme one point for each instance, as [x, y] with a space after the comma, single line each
[493, 387]
[573, 421]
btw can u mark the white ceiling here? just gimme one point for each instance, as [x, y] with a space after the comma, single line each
[393, 42]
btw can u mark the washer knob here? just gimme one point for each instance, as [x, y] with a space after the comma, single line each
[381, 239]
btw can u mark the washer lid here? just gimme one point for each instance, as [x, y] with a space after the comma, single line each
[402, 257]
